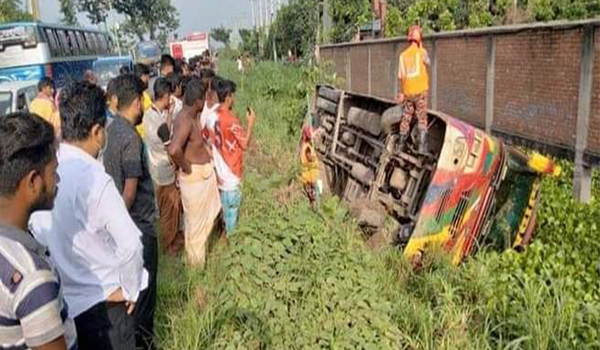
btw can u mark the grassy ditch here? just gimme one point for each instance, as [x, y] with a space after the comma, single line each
[295, 279]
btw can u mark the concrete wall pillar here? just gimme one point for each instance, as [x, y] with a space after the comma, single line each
[397, 48]
[489, 84]
[582, 181]
[348, 70]
[433, 56]
[369, 73]
[327, 22]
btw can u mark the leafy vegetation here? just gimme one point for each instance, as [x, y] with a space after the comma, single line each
[12, 11]
[292, 278]
[249, 42]
[298, 26]
[152, 19]
[442, 15]
[69, 12]
[295, 28]
[221, 34]
[347, 16]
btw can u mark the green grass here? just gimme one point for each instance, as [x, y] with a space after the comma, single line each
[295, 279]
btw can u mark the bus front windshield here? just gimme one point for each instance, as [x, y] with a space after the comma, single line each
[5, 103]
[106, 71]
[148, 50]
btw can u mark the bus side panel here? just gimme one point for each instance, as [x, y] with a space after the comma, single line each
[34, 72]
[64, 72]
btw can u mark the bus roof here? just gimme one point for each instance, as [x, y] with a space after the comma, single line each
[51, 25]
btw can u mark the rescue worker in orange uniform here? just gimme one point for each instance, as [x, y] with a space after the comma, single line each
[413, 81]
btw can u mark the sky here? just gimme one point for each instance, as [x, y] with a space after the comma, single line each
[194, 15]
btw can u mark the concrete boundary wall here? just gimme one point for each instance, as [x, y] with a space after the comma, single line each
[536, 85]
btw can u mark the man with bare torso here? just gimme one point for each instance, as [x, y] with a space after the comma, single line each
[197, 178]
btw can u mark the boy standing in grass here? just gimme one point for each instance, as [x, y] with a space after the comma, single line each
[310, 167]
[230, 140]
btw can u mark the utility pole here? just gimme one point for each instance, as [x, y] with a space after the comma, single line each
[273, 10]
[326, 21]
[34, 9]
[115, 28]
[267, 19]
[266, 13]
[253, 14]
[270, 12]
[260, 14]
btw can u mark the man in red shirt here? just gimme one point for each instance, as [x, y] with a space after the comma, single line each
[230, 140]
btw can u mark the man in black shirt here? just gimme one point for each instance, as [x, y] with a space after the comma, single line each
[126, 162]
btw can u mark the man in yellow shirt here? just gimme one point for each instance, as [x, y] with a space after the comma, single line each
[414, 87]
[43, 105]
[310, 167]
[142, 71]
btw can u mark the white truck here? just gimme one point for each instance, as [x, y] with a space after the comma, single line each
[17, 95]
[193, 45]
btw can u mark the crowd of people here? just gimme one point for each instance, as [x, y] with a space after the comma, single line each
[94, 184]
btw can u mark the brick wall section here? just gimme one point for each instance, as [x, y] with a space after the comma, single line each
[462, 66]
[359, 69]
[537, 85]
[383, 77]
[338, 59]
[593, 139]
[327, 57]
[537, 74]
[428, 45]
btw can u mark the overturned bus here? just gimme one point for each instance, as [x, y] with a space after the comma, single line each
[467, 191]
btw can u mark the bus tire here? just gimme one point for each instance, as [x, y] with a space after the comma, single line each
[327, 106]
[330, 94]
[391, 118]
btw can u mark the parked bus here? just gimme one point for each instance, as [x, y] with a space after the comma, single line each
[146, 52]
[32, 50]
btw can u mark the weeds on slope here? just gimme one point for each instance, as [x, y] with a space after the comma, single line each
[295, 279]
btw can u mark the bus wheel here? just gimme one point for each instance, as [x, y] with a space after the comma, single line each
[391, 119]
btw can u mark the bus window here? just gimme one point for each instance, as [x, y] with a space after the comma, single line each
[82, 47]
[91, 43]
[5, 102]
[73, 43]
[103, 44]
[21, 101]
[63, 41]
[55, 48]
[41, 34]
[98, 43]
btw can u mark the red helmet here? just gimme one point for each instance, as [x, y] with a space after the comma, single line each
[415, 34]
[306, 133]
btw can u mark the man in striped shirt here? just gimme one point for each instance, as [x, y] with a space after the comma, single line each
[33, 314]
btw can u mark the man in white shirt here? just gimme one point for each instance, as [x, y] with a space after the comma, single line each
[161, 168]
[91, 237]
[211, 103]
[175, 105]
